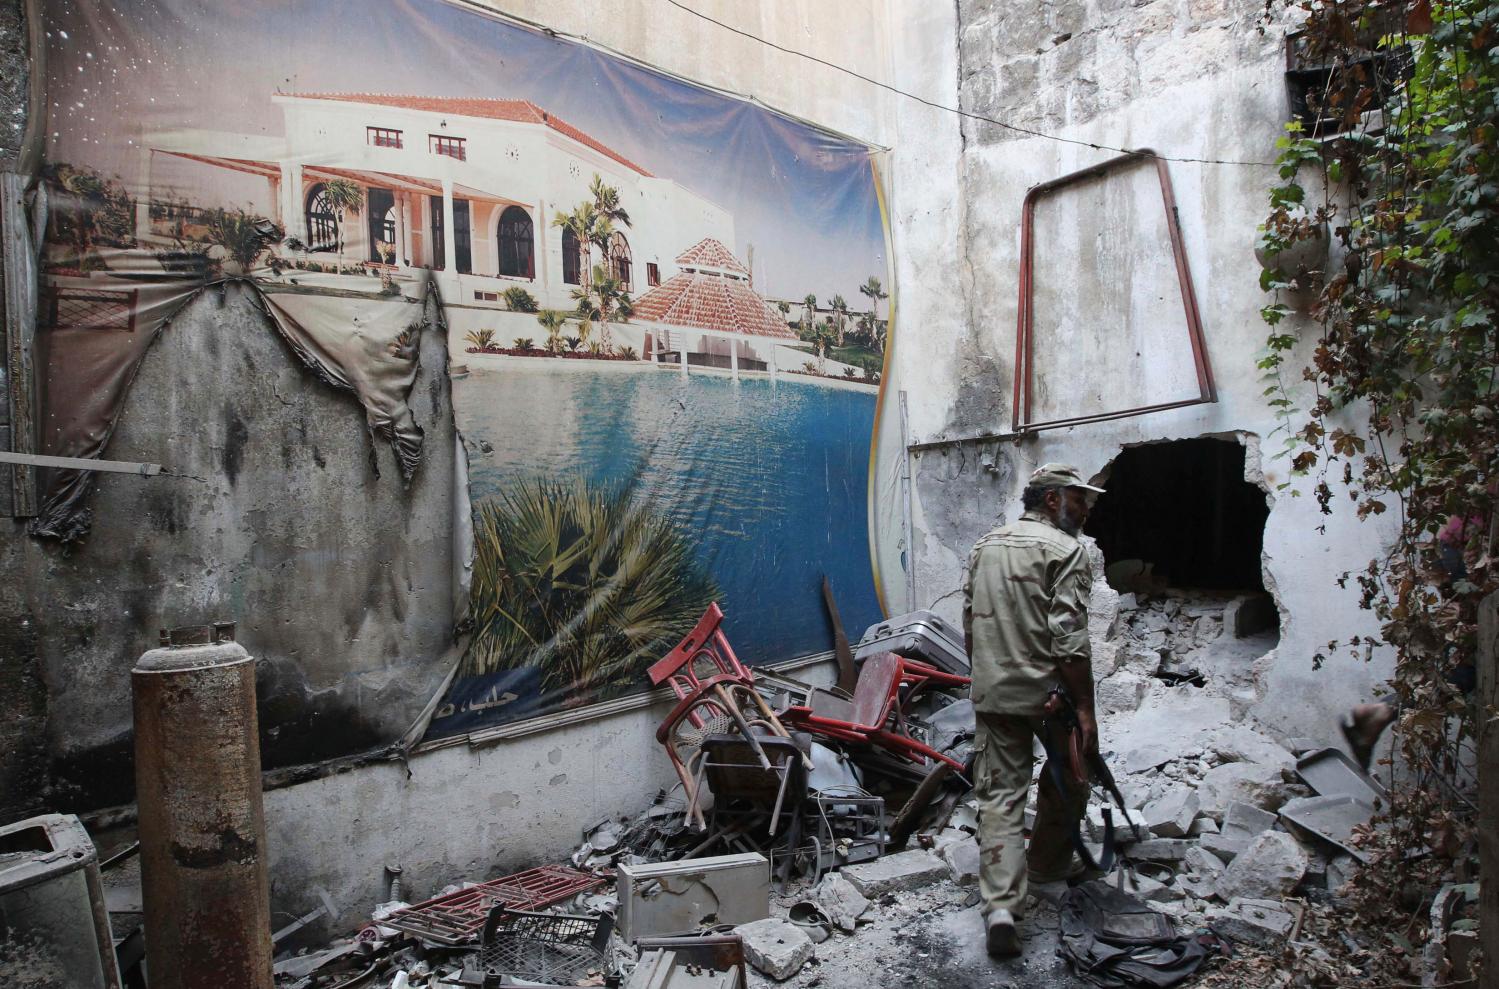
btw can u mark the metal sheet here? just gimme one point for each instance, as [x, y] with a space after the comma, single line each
[1331, 772]
[1330, 818]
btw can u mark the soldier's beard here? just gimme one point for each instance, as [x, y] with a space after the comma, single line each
[1069, 521]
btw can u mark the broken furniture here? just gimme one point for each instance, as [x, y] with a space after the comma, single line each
[742, 787]
[518, 947]
[919, 635]
[52, 911]
[714, 692]
[684, 897]
[459, 916]
[849, 827]
[887, 685]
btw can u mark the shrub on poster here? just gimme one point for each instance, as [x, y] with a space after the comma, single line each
[581, 580]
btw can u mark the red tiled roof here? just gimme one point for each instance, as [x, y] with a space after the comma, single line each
[521, 111]
[711, 302]
[712, 254]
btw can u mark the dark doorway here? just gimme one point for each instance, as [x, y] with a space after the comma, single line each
[439, 259]
[462, 237]
[1185, 508]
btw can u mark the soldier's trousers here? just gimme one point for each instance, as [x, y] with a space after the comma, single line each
[1003, 761]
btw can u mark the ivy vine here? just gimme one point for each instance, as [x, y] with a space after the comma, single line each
[1399, 360]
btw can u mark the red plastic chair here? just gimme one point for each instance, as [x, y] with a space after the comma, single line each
[714, 690]
[878, 700]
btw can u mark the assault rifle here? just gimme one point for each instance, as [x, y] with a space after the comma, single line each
[1062, 738]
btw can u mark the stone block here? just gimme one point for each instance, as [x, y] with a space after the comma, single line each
[1226, 846]
[1171, 814]
[1246, 820]
[962, 858]
[1204, 862]
[775, 947]
[838, 898]
[1239, 743]
[1258, 784]
[1271, 866]
[895, 873]
[1121, 691]
[1340, 869]
[1159, 850]
[1250, 921]
[1202, 826]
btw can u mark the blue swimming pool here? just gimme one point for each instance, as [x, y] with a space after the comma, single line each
[769, 477]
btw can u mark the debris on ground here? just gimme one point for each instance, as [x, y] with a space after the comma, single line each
[820, 837]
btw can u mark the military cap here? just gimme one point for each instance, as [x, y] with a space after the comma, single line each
[1060, 476]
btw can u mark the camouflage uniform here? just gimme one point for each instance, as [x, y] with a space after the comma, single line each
[1026, 592]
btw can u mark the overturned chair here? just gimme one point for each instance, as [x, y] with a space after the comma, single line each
[717, 699]
[875, 714]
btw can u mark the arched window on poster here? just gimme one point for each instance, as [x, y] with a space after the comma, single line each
[571, 269]
[620, 261]
[322, 224]
[516, 239]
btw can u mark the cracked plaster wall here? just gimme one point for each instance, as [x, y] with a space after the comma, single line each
[330, 570]
[1189, 79]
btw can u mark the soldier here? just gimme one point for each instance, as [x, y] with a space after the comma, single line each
[1025, 619]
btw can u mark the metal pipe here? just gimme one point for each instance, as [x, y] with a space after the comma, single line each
[202, 826]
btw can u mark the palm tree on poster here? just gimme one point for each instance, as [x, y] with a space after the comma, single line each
[840, 316]
[606, 202]
[602, 301]
[581, 222]
[874, 292]
[822, 335]
[553, 320]
[809, 317]
[343, 197]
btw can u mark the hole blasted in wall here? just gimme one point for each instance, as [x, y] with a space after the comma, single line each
[1183, 590]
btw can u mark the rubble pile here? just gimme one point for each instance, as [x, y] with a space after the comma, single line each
[807, 817]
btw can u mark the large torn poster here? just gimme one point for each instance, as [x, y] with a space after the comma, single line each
[666, 307]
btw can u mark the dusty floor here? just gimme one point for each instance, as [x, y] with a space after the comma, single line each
[930, 937]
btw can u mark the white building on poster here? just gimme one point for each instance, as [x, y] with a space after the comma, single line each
[465, 187]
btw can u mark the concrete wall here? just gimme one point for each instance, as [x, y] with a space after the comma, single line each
[343, 581]
[1189, 79]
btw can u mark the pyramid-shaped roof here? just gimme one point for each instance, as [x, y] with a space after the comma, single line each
[712, 292]
[710, 253]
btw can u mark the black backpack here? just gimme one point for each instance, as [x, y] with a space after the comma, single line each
[1111, 939]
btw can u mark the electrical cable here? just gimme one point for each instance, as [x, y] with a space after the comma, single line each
[958, 110]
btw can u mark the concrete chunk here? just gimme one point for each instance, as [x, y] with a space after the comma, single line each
[1204, 862]
[1159, 850]
[1171, 814]
[1250, 921]
[894, 873]
[843, 904]
[1226, 846]
[1246, 819]
[1271, 866]
[962, 858]
[775, 947]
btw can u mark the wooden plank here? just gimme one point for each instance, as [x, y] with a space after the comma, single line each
[20, 264]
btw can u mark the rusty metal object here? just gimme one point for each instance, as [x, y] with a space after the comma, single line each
[202, 826]
[458, 917]
[1207, 390]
